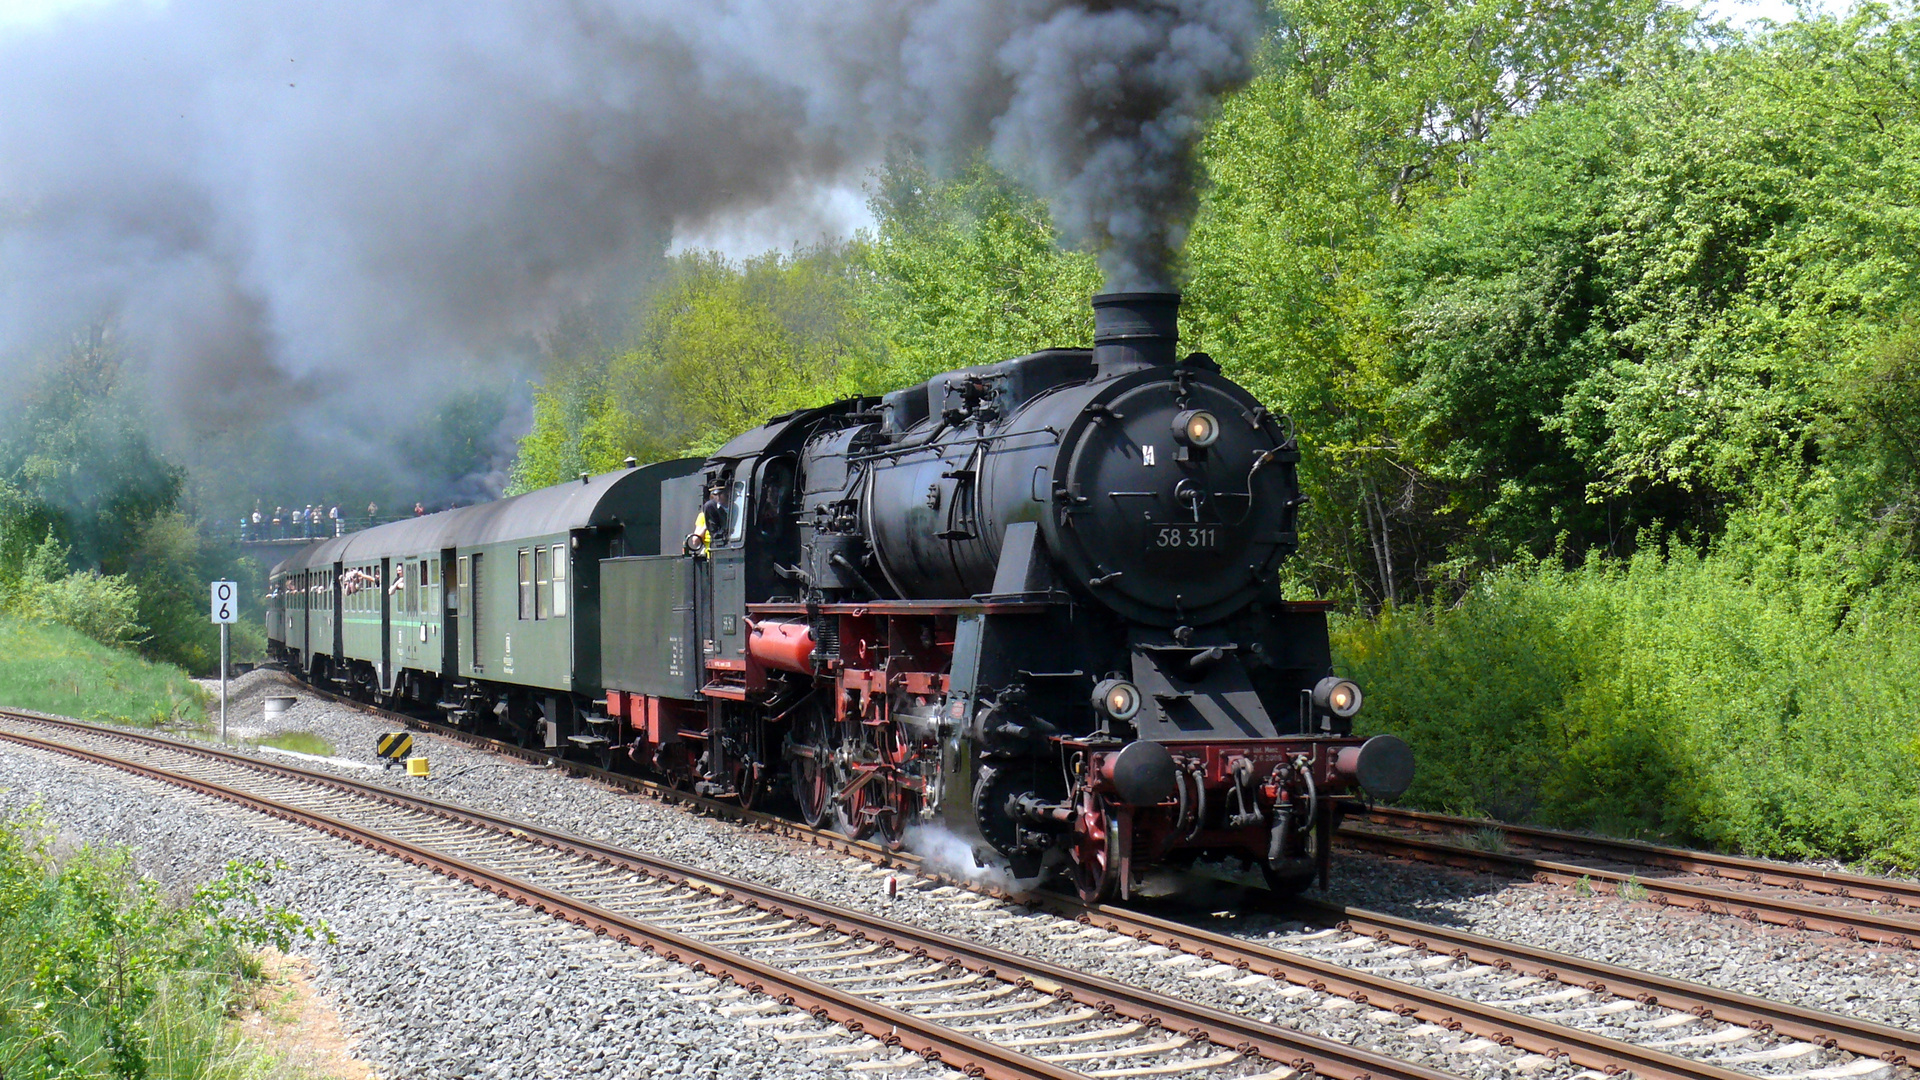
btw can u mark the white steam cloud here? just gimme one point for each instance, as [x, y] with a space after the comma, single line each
[331, 202]
[944, 852]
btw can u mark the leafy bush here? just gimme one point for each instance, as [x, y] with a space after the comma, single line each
[102, 976]
[103, 607]
[1708, 699]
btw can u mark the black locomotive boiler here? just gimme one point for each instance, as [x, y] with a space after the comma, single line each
[1033, 603]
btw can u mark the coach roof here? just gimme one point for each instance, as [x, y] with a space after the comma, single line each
[578, 504]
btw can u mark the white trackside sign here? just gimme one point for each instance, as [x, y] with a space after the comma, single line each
[226, 602]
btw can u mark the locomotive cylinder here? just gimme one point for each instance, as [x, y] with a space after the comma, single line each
[782, 645]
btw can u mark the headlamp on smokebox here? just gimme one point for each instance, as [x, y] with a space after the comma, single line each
[1338, 697]
[1197, 428]
[1117, 698]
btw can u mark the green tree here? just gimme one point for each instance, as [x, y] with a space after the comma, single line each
[966, 269]
[1670, 299]
[714, 348]
[77, 451]
[1364, 118]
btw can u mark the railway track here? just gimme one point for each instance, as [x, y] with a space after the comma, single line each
[1603, 870]
[1538, 995]
[1534, 1021]
[896, 988]
[1892, 892]
[1609, 985]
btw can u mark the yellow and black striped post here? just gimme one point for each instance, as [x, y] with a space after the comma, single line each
[395, 746]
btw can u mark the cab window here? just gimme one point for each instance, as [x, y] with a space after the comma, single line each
[737, 517]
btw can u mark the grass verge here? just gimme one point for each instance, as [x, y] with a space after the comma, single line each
[55, 669]
[102, 975]
[300, 742]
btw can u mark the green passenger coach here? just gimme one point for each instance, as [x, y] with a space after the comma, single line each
[490, 610]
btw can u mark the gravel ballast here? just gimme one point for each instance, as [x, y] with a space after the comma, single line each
[1812, 969]
[432, 978]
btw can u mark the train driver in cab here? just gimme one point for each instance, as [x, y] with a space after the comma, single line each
[711, 520]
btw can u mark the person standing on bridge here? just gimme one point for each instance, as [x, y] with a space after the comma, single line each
[278, 534]
[333, 515]
[373, 513]
[256, 521]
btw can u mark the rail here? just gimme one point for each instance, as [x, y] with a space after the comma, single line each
[1295, 1053]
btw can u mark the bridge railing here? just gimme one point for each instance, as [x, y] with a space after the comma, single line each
[287, 532]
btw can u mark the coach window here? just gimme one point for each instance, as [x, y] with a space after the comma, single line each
[526, 584]
[559, 580]
[433, 587]
[461, 580]
[542, 583]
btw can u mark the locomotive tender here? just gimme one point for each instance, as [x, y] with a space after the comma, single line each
[1033, 602]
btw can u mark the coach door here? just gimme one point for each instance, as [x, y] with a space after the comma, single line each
[476, 614]
[450, 615]
[334, 599]
[386, 624]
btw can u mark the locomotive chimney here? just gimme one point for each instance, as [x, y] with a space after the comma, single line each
[1133, 330]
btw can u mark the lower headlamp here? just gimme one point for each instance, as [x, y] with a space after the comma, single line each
[1117, 698]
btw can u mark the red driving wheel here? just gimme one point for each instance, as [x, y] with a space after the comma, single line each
[1095, 856]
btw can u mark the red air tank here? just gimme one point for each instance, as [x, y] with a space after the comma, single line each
[783, 645]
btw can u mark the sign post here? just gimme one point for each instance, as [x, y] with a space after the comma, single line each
[226, 612]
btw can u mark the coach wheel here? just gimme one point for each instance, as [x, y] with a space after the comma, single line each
[1094, 862]
[670, 762]
[526, 734]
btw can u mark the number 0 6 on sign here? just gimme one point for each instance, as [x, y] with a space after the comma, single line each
[226, 612]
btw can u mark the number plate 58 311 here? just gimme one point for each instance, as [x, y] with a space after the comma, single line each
[1191, 537]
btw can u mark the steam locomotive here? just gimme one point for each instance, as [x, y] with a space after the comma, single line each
[1032, 603]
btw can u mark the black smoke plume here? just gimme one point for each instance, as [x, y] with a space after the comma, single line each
[317, 210]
